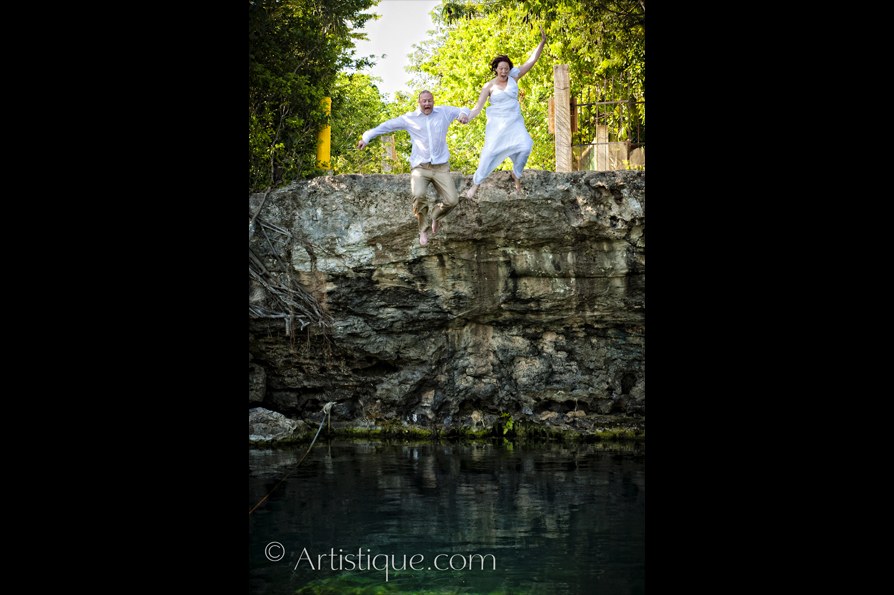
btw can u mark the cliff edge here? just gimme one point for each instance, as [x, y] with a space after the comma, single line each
[526, 307]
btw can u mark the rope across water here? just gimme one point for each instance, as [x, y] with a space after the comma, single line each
[326, 409]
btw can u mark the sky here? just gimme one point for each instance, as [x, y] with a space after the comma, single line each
[403, 24]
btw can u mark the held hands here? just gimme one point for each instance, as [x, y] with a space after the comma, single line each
[361, 145]
[463, 119]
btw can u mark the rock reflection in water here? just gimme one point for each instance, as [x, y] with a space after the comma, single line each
[556, 518]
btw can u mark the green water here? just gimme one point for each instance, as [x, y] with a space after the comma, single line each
[364, 518]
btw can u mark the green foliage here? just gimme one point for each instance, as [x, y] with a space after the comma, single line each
[347, 584]
[507, 425]
[598, 40]
[358, 106]
[455, 65]
[401, 104]
[295, 50]
[357, 584]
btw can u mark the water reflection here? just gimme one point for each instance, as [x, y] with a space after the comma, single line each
[555, 518]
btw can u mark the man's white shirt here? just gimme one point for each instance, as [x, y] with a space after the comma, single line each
[428, 133]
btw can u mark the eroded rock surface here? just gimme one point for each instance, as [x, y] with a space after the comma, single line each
[265, 425]
[521, 303]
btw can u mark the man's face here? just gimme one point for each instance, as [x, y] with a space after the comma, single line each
[426, 103]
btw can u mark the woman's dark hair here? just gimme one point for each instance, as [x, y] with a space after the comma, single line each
[496, 62]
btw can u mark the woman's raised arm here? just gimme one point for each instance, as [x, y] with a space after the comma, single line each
[524, 68]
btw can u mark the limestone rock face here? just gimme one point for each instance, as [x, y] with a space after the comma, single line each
[257, 382]
[521, 303]
[265, 425]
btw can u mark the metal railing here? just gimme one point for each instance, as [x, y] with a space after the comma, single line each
[607, 131]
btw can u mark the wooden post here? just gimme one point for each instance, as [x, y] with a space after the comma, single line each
[390, 153]
[562, 90]
[602, 148]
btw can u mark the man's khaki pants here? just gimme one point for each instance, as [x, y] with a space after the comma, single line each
[439, 175]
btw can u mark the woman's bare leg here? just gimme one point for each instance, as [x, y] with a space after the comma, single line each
[517, 181]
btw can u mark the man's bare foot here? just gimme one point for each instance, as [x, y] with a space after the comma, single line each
[423, 238]
[472, 191]
[434, 227]
[517, 182]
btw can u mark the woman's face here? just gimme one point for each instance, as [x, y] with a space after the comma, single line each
[503, 70]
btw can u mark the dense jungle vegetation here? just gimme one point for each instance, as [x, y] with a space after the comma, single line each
[301, 51]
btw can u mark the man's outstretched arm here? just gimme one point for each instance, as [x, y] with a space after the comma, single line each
[391, 125]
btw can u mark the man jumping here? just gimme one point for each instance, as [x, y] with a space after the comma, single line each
[429, 159]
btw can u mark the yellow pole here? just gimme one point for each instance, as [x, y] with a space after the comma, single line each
[324, 136]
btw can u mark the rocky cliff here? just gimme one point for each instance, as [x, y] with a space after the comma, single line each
[527, 305]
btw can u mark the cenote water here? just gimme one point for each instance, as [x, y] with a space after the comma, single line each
[440, 517]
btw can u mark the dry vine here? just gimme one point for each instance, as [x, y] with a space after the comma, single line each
[288, 301]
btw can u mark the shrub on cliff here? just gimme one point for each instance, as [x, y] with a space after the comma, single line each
[295, 50]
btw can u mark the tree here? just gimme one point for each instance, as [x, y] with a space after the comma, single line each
[362, 107]
[295, 50]
[456, 76]
[358, 106]
[598, 39]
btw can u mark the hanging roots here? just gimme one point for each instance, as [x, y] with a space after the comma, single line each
[269, 297]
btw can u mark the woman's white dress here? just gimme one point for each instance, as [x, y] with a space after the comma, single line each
[505, 134]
